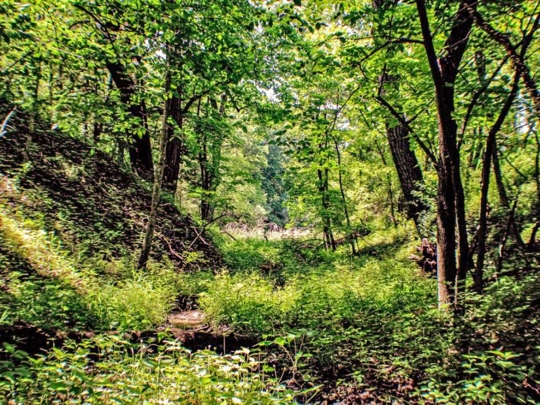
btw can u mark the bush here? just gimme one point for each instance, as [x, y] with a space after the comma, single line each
[140, 302]
[322, 297]
[131, 374]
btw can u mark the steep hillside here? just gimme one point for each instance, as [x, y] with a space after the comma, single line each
[91, 204]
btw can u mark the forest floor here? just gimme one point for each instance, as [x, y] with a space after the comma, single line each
[220, 320]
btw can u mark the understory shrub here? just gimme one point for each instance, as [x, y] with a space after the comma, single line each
[321, 297]
[107, 370]
[140, 302]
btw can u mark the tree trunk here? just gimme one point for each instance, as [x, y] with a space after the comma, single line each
[140, 151]
[450, 197]
[351, 234]
[405, 160]
[482, 225]
[210, 161]
[205, 178]
[174, 148]
[408, 169]
[503, 195]
[158, 180]
[329, 239]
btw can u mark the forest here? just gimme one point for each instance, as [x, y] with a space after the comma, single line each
[269, 202]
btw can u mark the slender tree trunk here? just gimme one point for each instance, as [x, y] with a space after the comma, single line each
[501, 189]
[140, 150]
[330, 241]
[517, 56]
[351, 235]
[205, 178]
[503, 195]
[390, 189]
[158, 180]
[490, 145]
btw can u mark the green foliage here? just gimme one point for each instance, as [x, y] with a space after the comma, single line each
[49, 287]
[490, 377]
[498, 360]
[136, 303]
[282, 113]
[46, 303]
[322, 297]
[136, 374]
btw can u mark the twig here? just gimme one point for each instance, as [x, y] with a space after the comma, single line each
[228, 234]
[199, 236]
[171, 250]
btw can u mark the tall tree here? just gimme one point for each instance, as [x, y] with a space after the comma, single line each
[158, 180]
[450, 196]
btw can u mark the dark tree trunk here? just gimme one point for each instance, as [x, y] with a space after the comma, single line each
[408, 169]
[206, 179]
[501, 189]
[351, 234]
[329, 239]
[140, 150]
[174, 148]
[210, 162]
[405, 160]
[450, 196]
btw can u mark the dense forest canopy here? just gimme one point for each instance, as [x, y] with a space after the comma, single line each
[349, 189]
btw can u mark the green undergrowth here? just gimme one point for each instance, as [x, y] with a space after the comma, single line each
[365, 327]
[47, 285]
[288, 283]
[107, 370]
[325, 296]
[368, 327]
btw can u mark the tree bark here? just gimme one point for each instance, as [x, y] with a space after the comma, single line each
[408, 169]
[140, 150]
[352, 235]
[329, 239]
[158, 180]
[405, 160]
[174, 148]
[450, 196]
[503, 195]
[175, 145]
